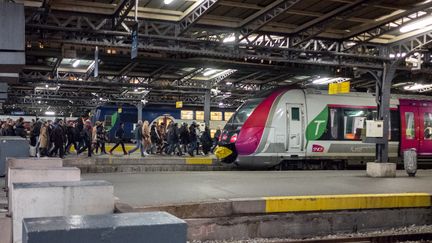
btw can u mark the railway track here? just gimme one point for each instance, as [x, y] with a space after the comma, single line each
[418, 237]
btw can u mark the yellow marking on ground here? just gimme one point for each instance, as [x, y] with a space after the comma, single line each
[345, 202]
[199, 161]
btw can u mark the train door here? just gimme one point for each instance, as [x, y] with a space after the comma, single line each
[295, 119]
[410, 127]
[425, 131]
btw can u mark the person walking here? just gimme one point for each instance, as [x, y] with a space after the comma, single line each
[206, 141]
[101, 137]
[139, 139]
[87, 136]
[119, 137]
[71, 137]
[58, 139]
[192, 139]
[146, 137]
[43, 139]
[216, 138]
[184, 137]
[176, 140]
[154, 137]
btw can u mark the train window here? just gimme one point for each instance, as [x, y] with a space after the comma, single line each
[244, 111]
[353, 123]
[199, 115]
[108, 121]
[410, 126]
[216, 116]
[428, 126]
[186, 115]
[295, 114]
[228, 115]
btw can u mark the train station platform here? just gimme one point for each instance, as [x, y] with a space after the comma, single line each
[236, 205]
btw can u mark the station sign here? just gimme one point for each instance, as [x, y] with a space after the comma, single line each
[179, 104]
[339, 88]
[119, 110]
[134, 44]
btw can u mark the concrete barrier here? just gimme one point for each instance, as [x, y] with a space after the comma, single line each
[5, 229]
[154, 227]
[27, 175]
[32, 163]
[12, 147]
[49, 199]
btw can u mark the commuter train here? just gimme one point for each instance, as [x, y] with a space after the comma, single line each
[307, 128]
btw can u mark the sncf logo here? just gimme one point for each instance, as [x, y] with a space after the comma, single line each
[317, 148]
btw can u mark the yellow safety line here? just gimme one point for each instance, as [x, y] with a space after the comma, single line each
[199, 161]
[346, 202]
[108, 148]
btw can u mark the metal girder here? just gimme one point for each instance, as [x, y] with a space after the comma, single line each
[194, 15]
[122, 12]
[389, 27]
[256, 21]
[406, 47]
[311, 29]
[183, 80]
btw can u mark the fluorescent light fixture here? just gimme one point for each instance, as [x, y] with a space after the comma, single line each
[168, 1]
[321, 81]
[49, 113]
[75, 63]
[221, 104]
[210, 72]
[230, 38]
[46, 86]
[228, 83]
[135, 90]
[416, 24]
[417, 86]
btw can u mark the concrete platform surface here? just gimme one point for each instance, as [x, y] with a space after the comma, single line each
[164, 188]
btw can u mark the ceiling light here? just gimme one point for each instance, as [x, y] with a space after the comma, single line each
[210, 72]
[75, 63]
[230, 38]
[168, 1]
[46, 86]
[416, 25]
[417, 86]
[228, 83]
[135, 90]
[50, 113]
[321, 81]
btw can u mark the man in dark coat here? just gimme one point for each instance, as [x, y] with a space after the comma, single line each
[206, 141]
[184, 136]
[119, 136]
[58, 138]
[192, 139]
[87, 136]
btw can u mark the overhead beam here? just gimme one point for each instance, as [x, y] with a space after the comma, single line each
[122, 12]
[257, 20]
[311, 29]
[193, 16]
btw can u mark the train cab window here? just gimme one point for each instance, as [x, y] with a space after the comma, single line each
[353, 123]
[410, 126]
[428, 126]
[244, 111]
[295, 114]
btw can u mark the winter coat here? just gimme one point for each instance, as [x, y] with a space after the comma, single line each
[184, 135]
[154, 134]
[119, 134]
[20, 130]
[43, 137]
[101, 134]
[57, 135]
[192, 134]
[206, 140]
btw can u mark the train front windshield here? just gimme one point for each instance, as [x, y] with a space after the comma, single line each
[243, 113]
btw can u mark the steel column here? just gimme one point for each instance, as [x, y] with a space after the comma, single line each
[139, 107]
[207, 107]
[383, 108]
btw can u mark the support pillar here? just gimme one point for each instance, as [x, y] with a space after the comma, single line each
[139, 107]
[381, 167]
[207, 107]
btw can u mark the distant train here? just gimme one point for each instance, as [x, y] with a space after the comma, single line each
[295, 128]
[128, 114]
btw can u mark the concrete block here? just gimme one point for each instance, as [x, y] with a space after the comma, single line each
[151, 227]
[27, 175]
[49, 199]
[5, 229]
[32, 163]
[381, 169]
[12, 147]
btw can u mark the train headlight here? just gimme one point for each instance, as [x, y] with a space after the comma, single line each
[233, 138]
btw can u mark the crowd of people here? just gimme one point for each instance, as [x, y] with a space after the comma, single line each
[56, 138]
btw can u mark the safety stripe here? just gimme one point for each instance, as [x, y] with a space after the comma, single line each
[346, 202]
[199, 161]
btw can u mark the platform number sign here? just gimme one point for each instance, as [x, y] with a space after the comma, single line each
[134, 44]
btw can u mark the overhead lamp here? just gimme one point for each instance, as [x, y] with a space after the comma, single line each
[230, 38]
[417, 86]
[75, 63]
[49, 113]
[416, 25]
[135, 90]
[321, 81]
[228, 83]
[209, 72]
[168, 1]
[46, 86]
